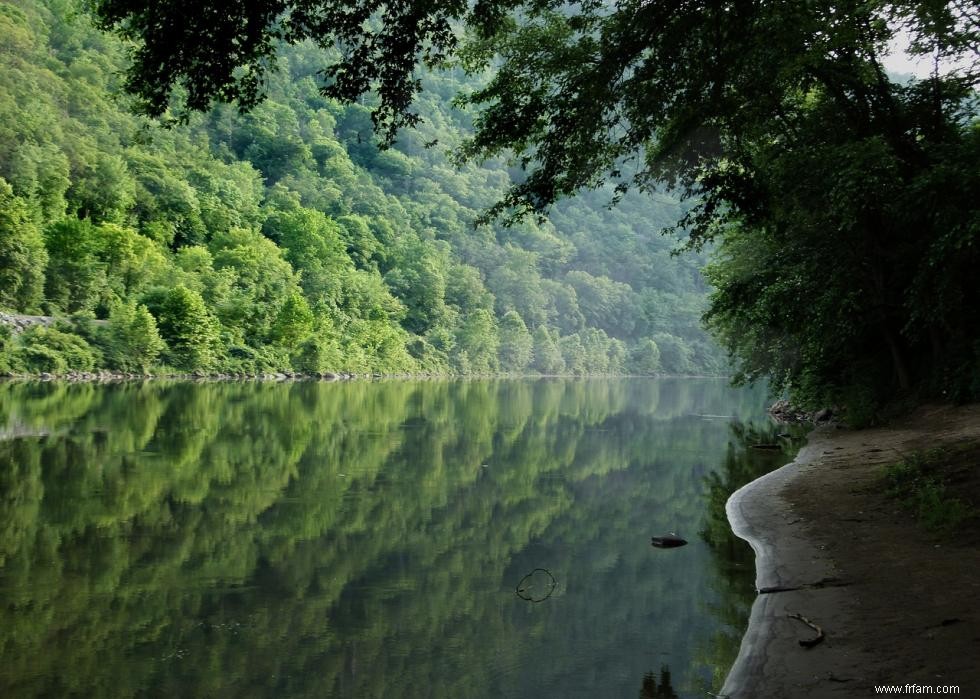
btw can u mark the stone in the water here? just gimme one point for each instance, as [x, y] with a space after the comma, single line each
[668, 541]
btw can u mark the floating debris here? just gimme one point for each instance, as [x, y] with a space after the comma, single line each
[536, 586]
[669, 541]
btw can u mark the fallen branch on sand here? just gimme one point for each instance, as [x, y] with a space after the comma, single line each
[809, 642]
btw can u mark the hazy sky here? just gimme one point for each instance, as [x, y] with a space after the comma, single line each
[898, 61]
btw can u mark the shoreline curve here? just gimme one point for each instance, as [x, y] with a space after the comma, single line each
[897, 604]
[760, 514]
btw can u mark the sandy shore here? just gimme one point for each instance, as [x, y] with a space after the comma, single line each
[898, 606]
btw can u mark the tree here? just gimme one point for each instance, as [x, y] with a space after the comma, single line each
[263, 280]
[674, 79]
[362, 247]
[573, 354]
[166, 205]
[76, 277]
[645, 357]
[53, 350]
[105, 190]
[133, 341]
[319, 352]
[293, 323]
[547, 356]
[40, 173]
[130, 260]
[605, 303]
[516, 344]
[477, 341]
[314, 247]
[221, 204]
[22, 254]
[418, 278]
[465, 289]
[674, 354]
[236, 48]
[190, 331]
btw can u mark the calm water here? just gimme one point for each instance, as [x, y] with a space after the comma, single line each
[365, 539]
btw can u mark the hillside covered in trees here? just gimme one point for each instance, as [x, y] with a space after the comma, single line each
[284, 239]
[843, 200]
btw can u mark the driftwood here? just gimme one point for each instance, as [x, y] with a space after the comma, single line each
[809, 642]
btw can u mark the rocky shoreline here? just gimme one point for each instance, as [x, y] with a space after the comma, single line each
[116, 376]
[784, 411]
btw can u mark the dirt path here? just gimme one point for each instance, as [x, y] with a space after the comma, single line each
[898, 605]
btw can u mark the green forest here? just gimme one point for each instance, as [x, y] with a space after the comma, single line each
[285, 240]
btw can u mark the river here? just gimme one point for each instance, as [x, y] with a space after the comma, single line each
[373, 539]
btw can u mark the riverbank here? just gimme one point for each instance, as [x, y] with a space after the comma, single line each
[106, 376]
[897, 604]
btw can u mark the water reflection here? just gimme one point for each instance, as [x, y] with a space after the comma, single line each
[363, 540]
[655, 687]
[754, 450]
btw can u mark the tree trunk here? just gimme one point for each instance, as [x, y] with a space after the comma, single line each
[898, 362]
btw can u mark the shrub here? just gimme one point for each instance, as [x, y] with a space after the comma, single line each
[40, 349]
[915, 482]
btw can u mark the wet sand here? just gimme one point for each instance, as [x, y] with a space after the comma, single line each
[897, 604]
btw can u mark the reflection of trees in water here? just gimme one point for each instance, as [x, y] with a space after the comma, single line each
[658, 688]
[306, 539]
[733, 559]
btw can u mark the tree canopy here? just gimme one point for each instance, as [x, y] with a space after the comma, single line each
[634, 90]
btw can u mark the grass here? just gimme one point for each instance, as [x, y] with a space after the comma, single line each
[919, 484]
